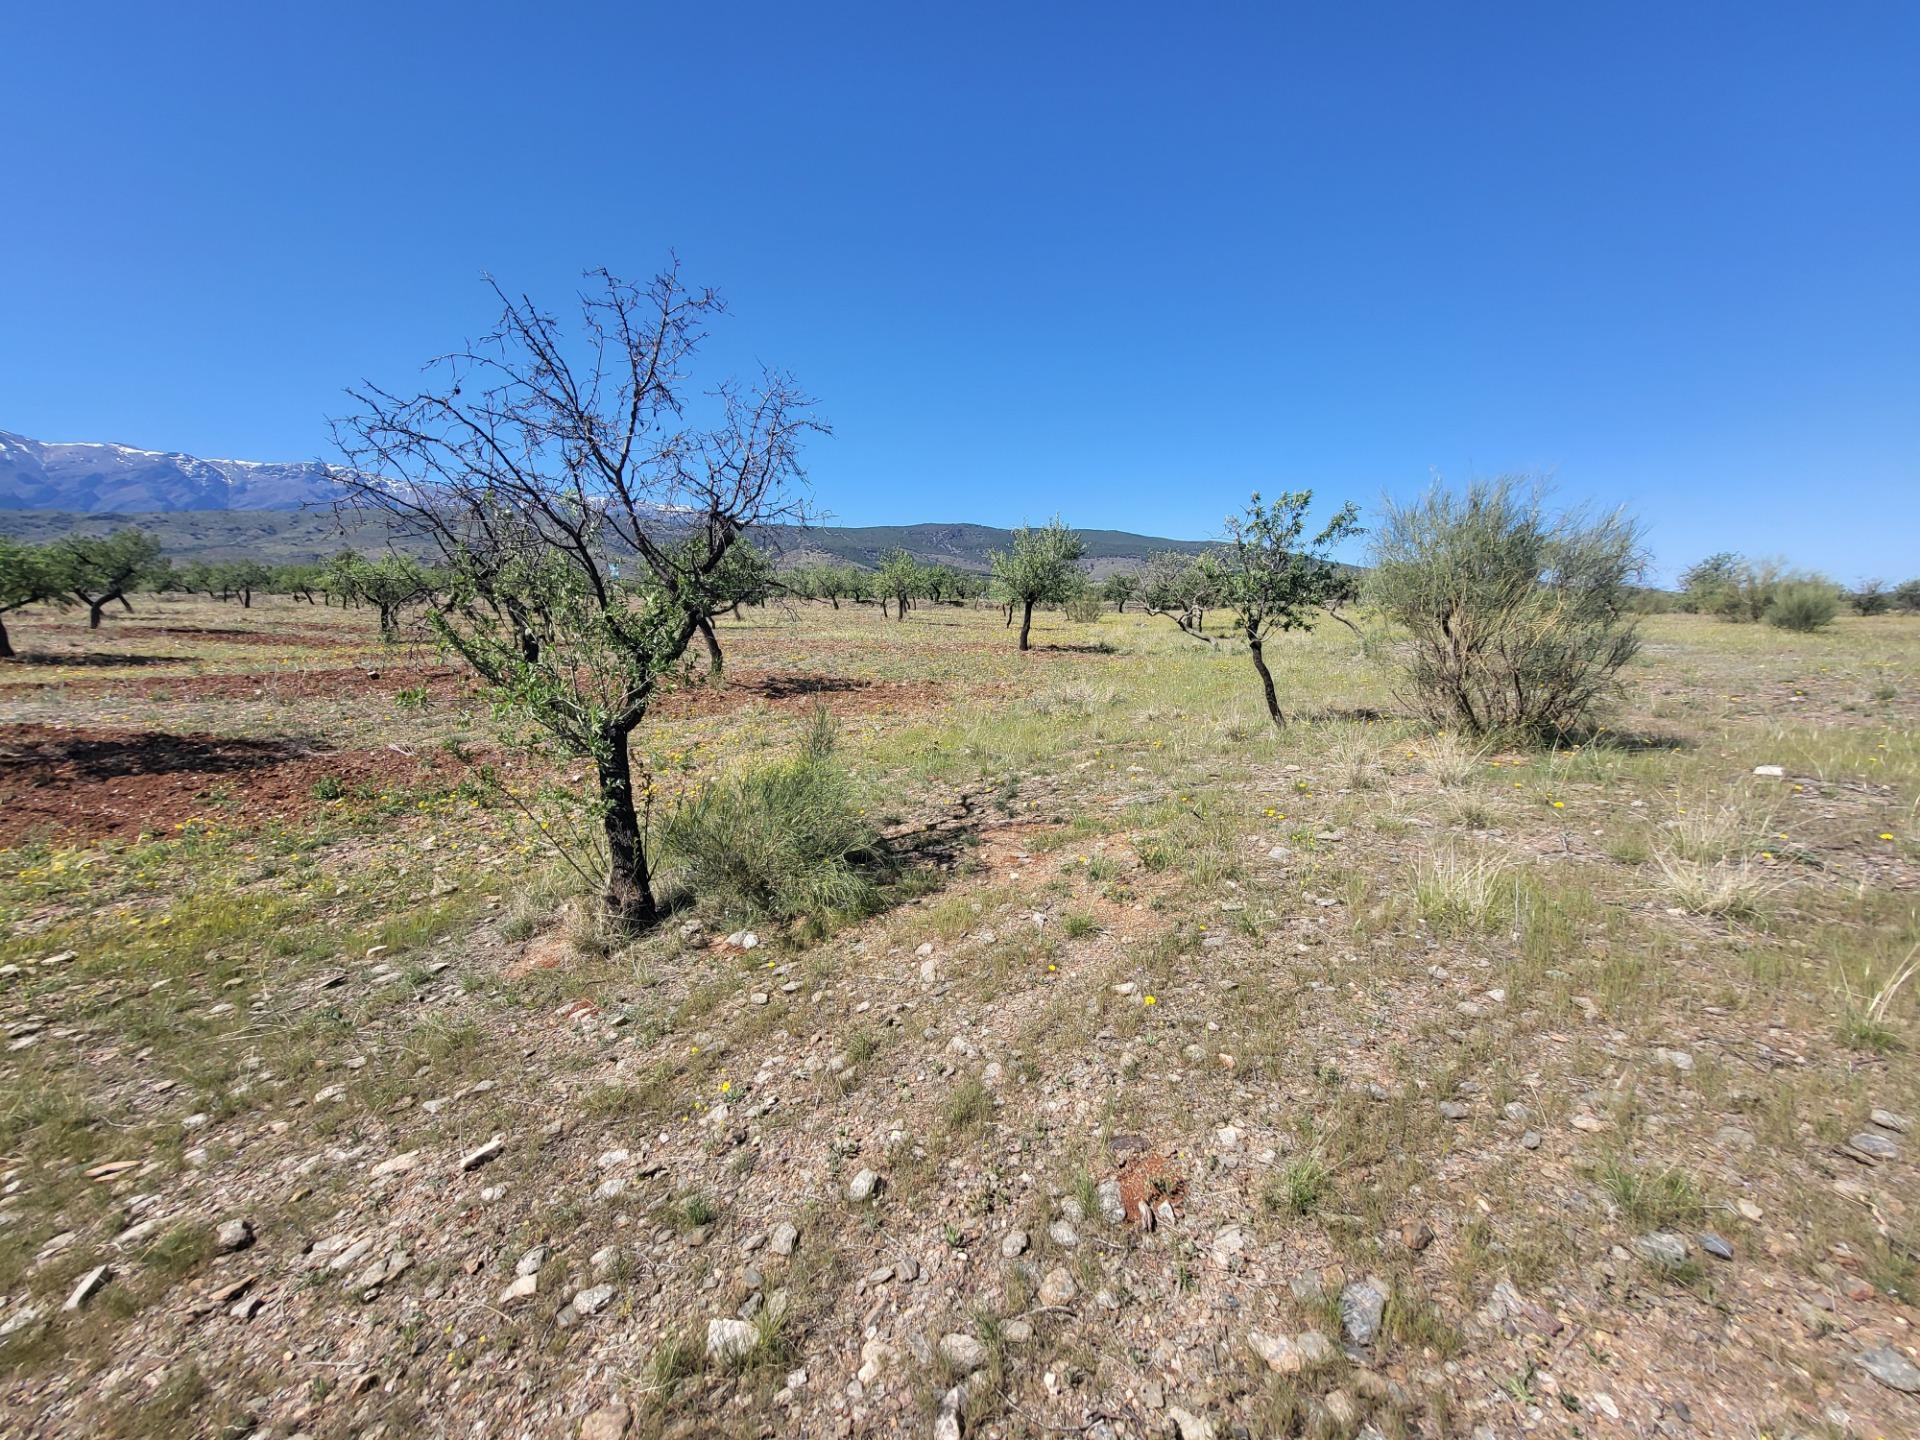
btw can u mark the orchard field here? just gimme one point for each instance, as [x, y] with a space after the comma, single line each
[1180, 1075]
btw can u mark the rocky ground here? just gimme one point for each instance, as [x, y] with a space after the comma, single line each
[1209, 1084]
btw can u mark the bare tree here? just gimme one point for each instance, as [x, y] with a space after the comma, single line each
[582, 512]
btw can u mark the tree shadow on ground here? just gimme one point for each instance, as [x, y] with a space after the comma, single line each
[96, 660]
[82, 756]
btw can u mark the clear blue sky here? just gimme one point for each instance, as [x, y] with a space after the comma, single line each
[1123, 261]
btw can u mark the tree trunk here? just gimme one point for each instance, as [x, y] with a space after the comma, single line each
[836, 601]
[1026, 624]
[246, 599]
[388, 624]
[94, 607]
[629, 894]
[6, 645]
[1266, 682]
[715, 660]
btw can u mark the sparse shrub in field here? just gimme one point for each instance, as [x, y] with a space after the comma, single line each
[1803, 606]
[1458, 890]
[1653, 1199]
[1299, 1187]
[1872, 598]
[1729, 888]
[1452, 761]
[781, 843]
[969, 1104]
[1906, 597]
[1514, 619]
[1085, 608]
[1355, 758]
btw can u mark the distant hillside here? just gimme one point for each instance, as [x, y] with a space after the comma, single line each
[119, 479]
[293, 535]
[224, 509]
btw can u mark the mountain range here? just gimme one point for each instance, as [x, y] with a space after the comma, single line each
[90, 477]
[225, 509]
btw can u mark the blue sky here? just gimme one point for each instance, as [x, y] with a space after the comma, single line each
[1126, 262]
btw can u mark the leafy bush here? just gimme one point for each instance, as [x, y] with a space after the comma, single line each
[1086, 607]
[1906, 596]
[1803, 605]
[783, 843]
[1512, 620]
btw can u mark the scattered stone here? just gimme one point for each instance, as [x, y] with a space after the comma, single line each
[1014, 1243]
[965, 1353]
[1062, 1233]
[89, 1286]
[1454, 1110]
[593, 1299]
[396, 1164]
[782, 1238]
[1716, 1246]
[1189, 1426]
[530, 1263]
[609, 1422]
[863, 1187]
[474, 1159]
[1112, 1210]
[234, 1235]
[728, 1339]
[1887, 1120]
[1876, 1146]
[1290, 1354]
[524, 1287]
[1362, 1306]
[1057, 1288]
[1663, 1248]
[1771, 772]
[1892, 1369]
[1416, 1235]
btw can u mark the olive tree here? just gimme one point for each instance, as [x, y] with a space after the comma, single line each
[1118, 589]
[534, 461]
[1513, 619]
[1274, 579]
[1040, 567]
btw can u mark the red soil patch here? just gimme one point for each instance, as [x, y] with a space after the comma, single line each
[1146, 1180]
[82, 784]
[786, 690]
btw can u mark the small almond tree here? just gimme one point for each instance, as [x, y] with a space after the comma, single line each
[1273, 579]
[100, 569]
[581, 515]
[900, 577]
[1117, 590]
[1041, 567]
[28, 575]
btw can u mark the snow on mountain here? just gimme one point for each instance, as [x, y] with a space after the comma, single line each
[105, 479]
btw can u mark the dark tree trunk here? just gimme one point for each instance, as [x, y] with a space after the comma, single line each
[716, 661]
[1009, 624]
[629, 894]
[246, 599]
[389, 624]
[1266, 682]
[6, 645]
[836, 601]
[1026, 624]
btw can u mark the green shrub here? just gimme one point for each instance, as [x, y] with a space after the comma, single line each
[1509, 619]
[783, 843]
[1803, 605]
[1086, 607]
